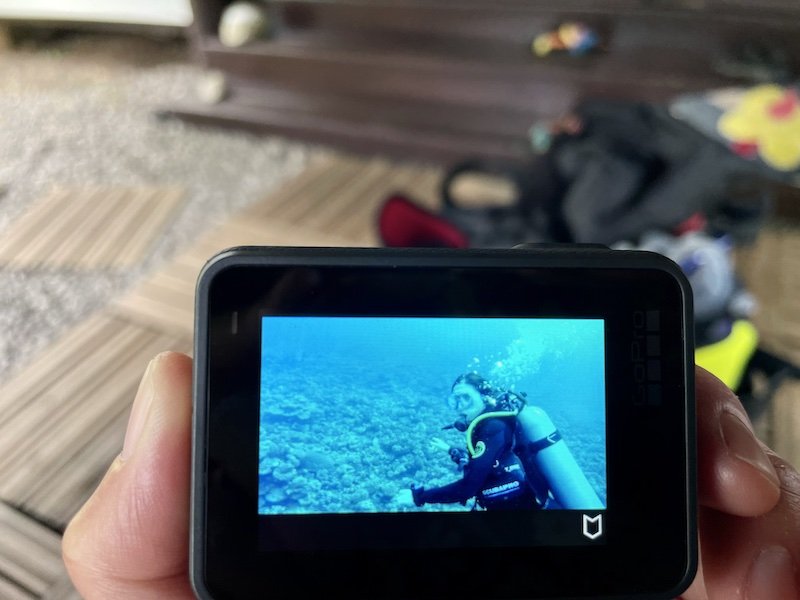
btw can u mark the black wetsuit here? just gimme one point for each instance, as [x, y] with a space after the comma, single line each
[496, 477]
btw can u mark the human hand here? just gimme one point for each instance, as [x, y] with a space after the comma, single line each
[130, 540]
[749, 506]
[439, 444]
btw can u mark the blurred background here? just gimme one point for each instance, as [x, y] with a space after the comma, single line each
[139, 138]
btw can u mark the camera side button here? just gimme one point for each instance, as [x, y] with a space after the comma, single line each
[592, 527]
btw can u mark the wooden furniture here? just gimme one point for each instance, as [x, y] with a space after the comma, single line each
[442, 79]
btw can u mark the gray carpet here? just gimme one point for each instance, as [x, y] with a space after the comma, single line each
[80, 111]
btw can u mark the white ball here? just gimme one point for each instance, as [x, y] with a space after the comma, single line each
[241, 23]
[212, 87]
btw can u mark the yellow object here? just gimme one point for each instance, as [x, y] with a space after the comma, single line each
[728, 358]
[570, 34]
[476, 451]
[541, 45]
[767, 116]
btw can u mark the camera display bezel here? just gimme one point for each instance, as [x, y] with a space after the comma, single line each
[649, 546]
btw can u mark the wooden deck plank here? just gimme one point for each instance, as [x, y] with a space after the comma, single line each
[162, 206]
[319, 215]
[346, 199]
[327, 191]
[64, 356]
[105, 203]
[322, 191]
[770, 269]
[61, 589]
[26, 227]
[11, 591]
[165, 300]
[334, 203]
[89, 228]
[278, 200]
[315, 182]
[53, 228]
[47, 410]
[79, 392]
[62, 493]
[359, 220]
[30, 556]
[122, 220]
[786, 422]
[361, 206]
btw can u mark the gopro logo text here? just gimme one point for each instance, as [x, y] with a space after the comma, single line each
[646, 357]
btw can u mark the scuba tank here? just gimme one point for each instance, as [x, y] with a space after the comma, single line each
[544, 455]
[540, 446]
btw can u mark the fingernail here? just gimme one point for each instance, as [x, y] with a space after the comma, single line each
[139, 410]
[772, 575]
[743, 445]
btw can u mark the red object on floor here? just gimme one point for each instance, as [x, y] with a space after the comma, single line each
[404, 224]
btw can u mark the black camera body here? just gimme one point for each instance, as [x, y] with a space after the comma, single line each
[334, 386]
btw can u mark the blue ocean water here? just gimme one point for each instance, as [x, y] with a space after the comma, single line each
[350, 407]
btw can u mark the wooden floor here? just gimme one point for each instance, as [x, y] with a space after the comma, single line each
[63, 416]
[89, 228]
[771, 271]
[79, 389]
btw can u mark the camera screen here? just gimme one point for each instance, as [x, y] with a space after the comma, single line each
[406, 414]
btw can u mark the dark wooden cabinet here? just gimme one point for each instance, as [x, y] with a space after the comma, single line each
[444, 79]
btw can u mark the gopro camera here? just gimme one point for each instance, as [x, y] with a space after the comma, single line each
[381, 423]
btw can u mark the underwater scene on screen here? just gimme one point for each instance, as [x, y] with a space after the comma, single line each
[354, 411]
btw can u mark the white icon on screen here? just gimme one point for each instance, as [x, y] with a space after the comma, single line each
[593, 526]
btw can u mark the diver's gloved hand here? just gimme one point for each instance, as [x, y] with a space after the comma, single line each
[458, 455]
[439, 444]
[416, 494]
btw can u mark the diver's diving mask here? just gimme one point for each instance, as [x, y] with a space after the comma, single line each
[464, 398]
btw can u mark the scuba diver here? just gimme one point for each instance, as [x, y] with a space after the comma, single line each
[515, 457]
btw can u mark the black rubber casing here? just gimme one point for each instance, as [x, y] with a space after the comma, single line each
[651, 545]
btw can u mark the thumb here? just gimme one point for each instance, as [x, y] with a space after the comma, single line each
[130, 539]
[735, 474]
